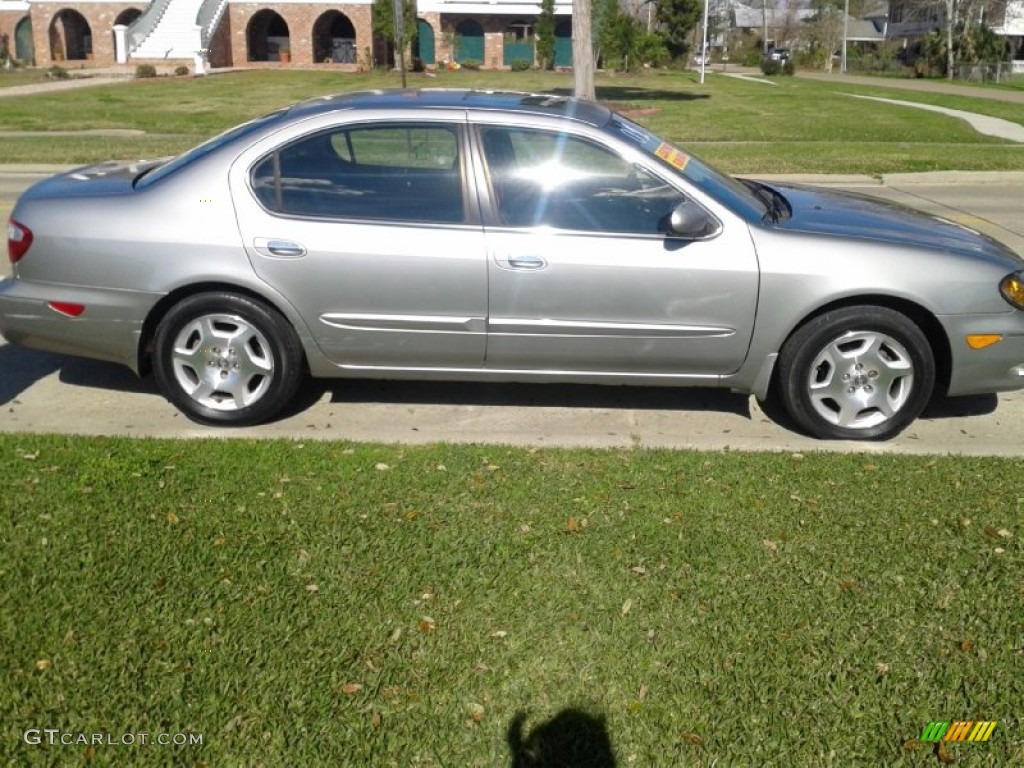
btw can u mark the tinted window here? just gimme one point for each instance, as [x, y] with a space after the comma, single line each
[402, 173]
[541, 178]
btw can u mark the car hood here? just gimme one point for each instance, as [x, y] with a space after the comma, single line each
[845, 214]
[109, 178]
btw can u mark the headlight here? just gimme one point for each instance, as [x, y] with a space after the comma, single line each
[1012, 288]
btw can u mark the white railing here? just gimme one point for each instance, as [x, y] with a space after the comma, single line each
[143, 26]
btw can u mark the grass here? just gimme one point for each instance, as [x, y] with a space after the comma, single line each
[796, 126]
[348, 604]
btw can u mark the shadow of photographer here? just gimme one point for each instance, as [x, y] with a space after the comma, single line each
[571, 739]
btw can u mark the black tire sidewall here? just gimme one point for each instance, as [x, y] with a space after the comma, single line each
[804, 346]
[284, 345]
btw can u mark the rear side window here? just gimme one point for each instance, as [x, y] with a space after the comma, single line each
[381, 172]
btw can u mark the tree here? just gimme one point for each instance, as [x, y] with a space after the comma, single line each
[826, 31]
[960, 27]
[678, 19]
[384, 24]
[546, 35]
[582, 51]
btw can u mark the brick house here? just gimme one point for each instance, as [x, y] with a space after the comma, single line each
[247, 33]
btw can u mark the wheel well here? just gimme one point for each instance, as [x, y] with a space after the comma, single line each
[162, 307]
[921, 317]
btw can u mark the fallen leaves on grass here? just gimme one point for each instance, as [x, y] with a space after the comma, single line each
[693, 738]
[380, 466]
[43, 664]
[427, 625]
[770, 545]
[172, 518]
[350, 688]
[574, 525]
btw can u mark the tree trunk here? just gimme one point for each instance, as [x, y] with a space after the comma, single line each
[582, 51]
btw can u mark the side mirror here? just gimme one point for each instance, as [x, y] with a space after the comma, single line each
[691, 222]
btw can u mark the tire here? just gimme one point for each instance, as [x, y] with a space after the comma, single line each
[856, 373]
[226, 359]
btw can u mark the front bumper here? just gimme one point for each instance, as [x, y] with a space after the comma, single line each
[996, 368]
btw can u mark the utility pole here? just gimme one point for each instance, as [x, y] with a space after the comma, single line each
[846, 18]
[398, 10]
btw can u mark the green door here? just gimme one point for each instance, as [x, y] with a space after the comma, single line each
[425, 42]
[23, 41]
[469, 42]
[563, 44]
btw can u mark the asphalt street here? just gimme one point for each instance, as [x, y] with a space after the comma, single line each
[40, 392]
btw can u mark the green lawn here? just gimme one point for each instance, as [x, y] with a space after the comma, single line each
[365, 605]
[794, 126]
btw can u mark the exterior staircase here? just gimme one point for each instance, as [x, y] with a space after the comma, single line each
[167, 30]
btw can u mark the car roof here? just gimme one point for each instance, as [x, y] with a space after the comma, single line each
[458, 98]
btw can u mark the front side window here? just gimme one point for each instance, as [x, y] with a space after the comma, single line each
[383, 172]
[549, 179]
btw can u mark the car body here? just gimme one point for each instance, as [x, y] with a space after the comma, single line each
[463, 235]
[778, 54]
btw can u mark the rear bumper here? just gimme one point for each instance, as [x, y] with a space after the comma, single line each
[996, 368]
[109, 328]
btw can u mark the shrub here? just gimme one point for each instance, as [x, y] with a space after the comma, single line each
[145, 70]
[751, 59]
[181, 70]
[789, 68]
[521, 65]
[473, 64]
[771, 67]
[57, 73]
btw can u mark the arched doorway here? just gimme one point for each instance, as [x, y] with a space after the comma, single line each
[127, 16]
[425, 42]
[518, 43]
[70, 36]
[469, 42]
[23, 47]
[267, 38]
[334, 39]
[563, 44]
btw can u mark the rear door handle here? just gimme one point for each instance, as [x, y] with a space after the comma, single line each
[526, 262]
[282, 249]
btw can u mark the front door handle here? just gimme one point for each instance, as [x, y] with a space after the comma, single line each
[282, 249]
[526, 262]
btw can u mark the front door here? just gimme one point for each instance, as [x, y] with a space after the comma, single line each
[583, 277]
[370, 232]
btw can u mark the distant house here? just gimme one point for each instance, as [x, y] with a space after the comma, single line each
[490, 34]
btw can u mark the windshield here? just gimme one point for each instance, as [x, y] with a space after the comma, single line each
[155, 174]
[731, 192]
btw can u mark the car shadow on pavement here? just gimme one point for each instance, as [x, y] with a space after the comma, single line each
[22, 368]
[543, 395]
[94, 374]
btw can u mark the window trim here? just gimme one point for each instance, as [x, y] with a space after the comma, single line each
[488, 199]
[470, 205]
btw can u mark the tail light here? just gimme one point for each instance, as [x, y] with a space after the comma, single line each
[19, 240]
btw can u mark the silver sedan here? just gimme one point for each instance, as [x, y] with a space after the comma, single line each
[465, 235]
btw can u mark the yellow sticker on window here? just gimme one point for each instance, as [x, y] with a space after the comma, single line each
[672, 156]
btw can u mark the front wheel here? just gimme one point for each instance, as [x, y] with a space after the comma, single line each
[222, 358]
[856, 373]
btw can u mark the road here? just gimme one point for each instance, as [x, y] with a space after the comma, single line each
[40, 392]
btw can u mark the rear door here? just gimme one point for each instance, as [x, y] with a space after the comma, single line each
[371, 230]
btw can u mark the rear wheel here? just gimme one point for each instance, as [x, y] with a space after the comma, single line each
[856, 373]
[222, 358]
